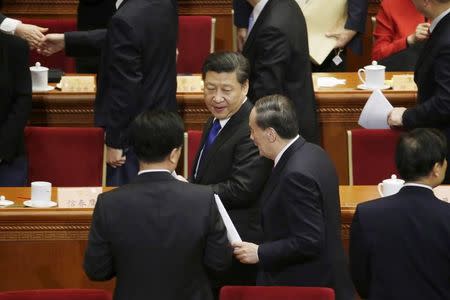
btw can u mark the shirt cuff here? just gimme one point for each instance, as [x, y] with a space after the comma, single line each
[9, 25]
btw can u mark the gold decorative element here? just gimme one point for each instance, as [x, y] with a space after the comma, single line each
[43, 232]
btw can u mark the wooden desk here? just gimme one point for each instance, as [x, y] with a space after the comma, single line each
[338, 110]
[44, 248]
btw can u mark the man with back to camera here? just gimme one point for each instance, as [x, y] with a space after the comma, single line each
[157, 235]
[228, 161]
[137, 72]
[299, 205]
[432, 76]
[400, 244]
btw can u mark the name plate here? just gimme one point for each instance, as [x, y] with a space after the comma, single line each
[77, 84]
[189, 84]
[78, 197]
[403, 83]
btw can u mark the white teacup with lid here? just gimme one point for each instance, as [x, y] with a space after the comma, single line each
[374, 76]
[39, 77]
[390, 186]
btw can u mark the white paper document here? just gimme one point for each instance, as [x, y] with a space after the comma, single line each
[232, 234]
[329, 81]
[375, 112]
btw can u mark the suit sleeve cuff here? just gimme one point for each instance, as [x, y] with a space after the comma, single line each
[9, 25]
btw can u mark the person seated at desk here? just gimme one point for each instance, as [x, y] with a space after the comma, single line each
[400, 244]
[157, 235]
[15, 108]
[399, 32]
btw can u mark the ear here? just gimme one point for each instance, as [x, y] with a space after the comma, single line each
[271, 134]
[174, 155]
[439, 169]
[245, 87]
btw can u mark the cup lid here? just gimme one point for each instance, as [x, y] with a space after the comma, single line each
[394, 180]
[374, 66]
[38, 68]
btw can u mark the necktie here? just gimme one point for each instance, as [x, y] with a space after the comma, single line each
[251, 22]
[215, 128]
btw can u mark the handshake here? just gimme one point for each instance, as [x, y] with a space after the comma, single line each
[36, 38]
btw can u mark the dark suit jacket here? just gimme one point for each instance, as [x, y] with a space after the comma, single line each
[277, 48]
[157, 236]
[432, 76]
[301, 222]
[400, 247]
[138, 68]
[356, 19]
[234, 170]
[15, 95]
[2, 17]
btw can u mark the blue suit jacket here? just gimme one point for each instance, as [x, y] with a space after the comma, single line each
[400, 247]
[356, 19]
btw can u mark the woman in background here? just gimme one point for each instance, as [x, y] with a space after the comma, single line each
[398, 33]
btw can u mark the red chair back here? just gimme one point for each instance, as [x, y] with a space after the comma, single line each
[191, 145]
[194, 42]
[66, 157]
[57, 294]
[371, 155]
[275, 293]
[58, 60]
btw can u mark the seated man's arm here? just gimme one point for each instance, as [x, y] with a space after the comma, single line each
[218, 252]
[248, 174]
[359, 257]
[302, 202]
[98, 260]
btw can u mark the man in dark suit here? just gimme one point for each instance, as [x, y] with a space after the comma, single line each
[432, 75]
[230, 165]
[137, 72]
[400, 244]
[300, 207]
[350, 37]
[15, 108]
[277, 48]
[157, 235]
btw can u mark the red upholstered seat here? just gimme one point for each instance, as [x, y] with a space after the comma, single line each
[275, 293]
[371, 155]
[57, 294]
[65, 156]
[192, 139]
[58, 60]
[195, 42]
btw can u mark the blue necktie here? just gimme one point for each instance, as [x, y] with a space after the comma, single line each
[251, 22]
[215, 128]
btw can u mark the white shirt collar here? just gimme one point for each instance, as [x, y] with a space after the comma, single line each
[153, 170]
[224, 122]
[258, 9]
[418, 185]
[437, 19]
[278, 157]
[118, 2]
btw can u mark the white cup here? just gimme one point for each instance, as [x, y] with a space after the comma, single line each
[390, 186]
[39, 77]
[374, 76]
[41, 192]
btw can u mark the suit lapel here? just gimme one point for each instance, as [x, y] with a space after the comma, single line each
[274, 178]
[259, 22]
[224, 135]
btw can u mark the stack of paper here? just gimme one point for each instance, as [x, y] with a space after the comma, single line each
[375, 113]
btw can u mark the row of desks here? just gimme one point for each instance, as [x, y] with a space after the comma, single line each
[44, 248]
[338, 110]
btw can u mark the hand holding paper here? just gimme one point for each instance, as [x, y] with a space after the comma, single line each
[375, 113]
